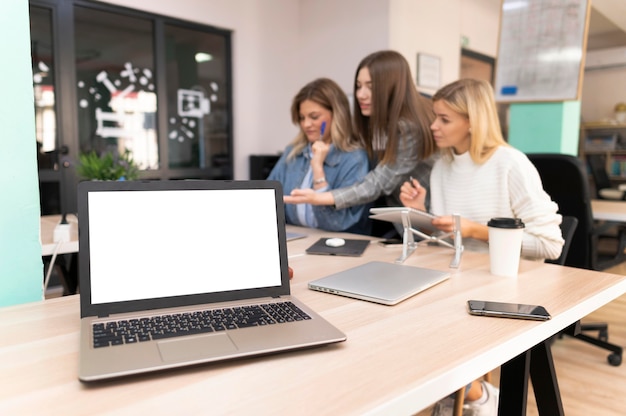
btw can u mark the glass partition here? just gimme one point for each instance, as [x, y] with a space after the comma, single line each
[118, 80]
[197, 113]
[116, 91]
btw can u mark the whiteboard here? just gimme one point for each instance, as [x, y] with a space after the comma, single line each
[541, 50]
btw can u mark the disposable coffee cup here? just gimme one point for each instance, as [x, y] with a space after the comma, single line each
[505, 245]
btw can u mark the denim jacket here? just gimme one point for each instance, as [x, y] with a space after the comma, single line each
[341, 169]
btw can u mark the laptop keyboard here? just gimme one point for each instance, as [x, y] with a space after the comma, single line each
[166, 326]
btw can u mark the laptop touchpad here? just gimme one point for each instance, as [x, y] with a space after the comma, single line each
[203, 346]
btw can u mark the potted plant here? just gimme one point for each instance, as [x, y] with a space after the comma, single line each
[107, 166]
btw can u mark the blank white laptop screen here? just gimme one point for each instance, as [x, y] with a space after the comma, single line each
[158, 244]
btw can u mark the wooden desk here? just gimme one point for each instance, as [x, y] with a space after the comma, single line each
[608, 210]
[396, 360]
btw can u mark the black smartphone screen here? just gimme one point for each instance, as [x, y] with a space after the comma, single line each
[508, 310]
[390, 242]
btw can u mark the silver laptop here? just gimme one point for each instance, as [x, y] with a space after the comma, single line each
[170, 276]
[386, 283]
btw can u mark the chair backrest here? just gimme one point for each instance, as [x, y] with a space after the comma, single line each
[565, 179]
[597, 166]
[568, 228]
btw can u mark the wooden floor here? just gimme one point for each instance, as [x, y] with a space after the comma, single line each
[589, 385]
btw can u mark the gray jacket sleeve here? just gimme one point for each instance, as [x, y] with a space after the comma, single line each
[383, 179]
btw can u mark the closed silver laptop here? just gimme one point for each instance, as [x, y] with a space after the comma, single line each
[380, 282]
[176, 273]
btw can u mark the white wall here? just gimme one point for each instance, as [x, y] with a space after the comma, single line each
[602, 89]
[279, 45]
[335, 35]
[423, 26]
[436, 27]
[480, 24]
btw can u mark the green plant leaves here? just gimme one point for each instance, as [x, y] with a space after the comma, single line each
[107, 167]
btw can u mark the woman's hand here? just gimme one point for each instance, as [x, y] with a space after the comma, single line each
[413, 195]
[320, 151]
[469, 229]
[309, 196]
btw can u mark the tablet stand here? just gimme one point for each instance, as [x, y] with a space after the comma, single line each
[409, 245]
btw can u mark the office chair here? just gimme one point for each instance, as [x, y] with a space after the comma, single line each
[568, 227]
[602, 183]
[564, 178]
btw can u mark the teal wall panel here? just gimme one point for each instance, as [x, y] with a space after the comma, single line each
[21, 267]
[551, 127]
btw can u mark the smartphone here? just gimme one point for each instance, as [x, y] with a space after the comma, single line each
[392, 242]
[508, 310]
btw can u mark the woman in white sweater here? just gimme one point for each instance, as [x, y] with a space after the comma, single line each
[479, 177]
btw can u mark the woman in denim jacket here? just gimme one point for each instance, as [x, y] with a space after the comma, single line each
[325, 155]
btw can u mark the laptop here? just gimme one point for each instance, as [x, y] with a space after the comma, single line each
[294, 236]
[169, 276]
[380, 282]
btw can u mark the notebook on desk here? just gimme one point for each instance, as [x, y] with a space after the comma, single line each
[379, 282]
[168, 277]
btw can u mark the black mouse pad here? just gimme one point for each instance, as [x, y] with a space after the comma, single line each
[354, 248]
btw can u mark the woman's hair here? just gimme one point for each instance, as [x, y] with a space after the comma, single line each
[474, 99]
[394, 98]
[328, 94]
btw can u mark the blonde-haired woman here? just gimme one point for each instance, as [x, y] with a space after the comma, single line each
[324, 155]
[480, 176]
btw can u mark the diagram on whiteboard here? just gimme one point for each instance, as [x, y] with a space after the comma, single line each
[541, 50]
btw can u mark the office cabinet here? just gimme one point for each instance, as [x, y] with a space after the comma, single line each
[608, 140]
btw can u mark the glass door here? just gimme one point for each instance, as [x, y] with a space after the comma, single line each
[122, 83]
[116, 86]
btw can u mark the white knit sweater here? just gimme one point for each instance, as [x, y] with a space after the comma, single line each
[506, 185]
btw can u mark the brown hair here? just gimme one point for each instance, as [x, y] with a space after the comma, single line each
[329, 95]
[394, 99]
[474, 99]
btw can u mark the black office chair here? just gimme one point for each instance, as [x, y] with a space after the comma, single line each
[615, 233]
[564, 178]
[568, 227]
[601, 180]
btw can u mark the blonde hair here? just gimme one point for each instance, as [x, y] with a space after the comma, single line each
[474, 99]
[328, 94]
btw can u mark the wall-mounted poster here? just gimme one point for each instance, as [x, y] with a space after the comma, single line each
[428, 71]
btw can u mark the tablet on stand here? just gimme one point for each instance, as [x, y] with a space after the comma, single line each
[411, 218]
